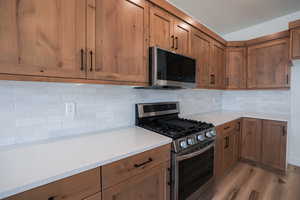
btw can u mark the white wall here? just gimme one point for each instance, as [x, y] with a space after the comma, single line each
[36, 111]
[294, 147]
[268, 27]
[277, 97]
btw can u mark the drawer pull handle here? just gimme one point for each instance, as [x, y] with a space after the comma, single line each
[91, 54]
[227, 127]
[226, 142]
[51, 198]
[144, 163]
[81, 68]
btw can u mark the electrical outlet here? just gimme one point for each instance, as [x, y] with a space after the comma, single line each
[70, 109]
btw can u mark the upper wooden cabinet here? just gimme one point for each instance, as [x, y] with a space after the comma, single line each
[169, 32]
[161, 29]
[118, 47]
[251, 139]
[200, 50]
[268, 64]
[103, 40]
[295, 44]
[295, 39]
[182, 32]
[236, 71]
[274, 134]
[43, 38]
[217, 66]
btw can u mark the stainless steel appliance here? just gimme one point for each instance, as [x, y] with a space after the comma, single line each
[171, 70]
[192, 148]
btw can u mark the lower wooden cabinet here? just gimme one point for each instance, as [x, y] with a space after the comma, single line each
[144, 176]
[227, 147]
[264, 142]
[274, 139]
[251, 139]
[78, 187]
[259, 141]
[152, 184]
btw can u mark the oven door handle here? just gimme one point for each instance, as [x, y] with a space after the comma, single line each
[196, 153]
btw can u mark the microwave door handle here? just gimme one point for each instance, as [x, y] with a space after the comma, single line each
[196, 153]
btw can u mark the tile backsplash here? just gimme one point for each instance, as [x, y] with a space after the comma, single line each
[259, 101]
[33, 111]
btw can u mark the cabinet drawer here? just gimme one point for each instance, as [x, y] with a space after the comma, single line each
[151, 184]
[76, 187]
[121, 170]
[228, 127]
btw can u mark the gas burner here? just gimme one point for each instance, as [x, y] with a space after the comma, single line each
[185, 133]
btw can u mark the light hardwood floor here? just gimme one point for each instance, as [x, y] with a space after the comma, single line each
[247, 182]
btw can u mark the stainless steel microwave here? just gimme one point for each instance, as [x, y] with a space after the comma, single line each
[170, 70]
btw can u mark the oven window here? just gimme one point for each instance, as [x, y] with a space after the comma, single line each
[195, 172]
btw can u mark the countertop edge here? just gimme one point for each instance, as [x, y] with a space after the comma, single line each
[79, 170]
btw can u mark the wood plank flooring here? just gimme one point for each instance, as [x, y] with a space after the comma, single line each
[247, 182]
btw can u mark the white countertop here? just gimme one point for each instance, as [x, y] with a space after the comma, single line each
[221, 117]
[29, 166]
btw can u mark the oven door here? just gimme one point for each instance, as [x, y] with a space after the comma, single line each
[193, 172]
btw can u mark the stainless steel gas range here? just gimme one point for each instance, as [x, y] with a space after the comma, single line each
[193, 147]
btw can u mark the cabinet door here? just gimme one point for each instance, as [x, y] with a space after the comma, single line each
[42, 38]
[150, 185]
[251, 139]
[228, 152]
[182, 37]
[217, 66]
[295, 44]
[236, 142]
[236, 68]
[118, 40]
[274, 140]
[77, 187]
[161, 29]
[268, 64]
[200, 50]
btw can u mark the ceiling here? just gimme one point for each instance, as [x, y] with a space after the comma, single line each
[225, 16]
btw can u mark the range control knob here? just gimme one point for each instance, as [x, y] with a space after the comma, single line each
[201, 137]
[213, 133]
[183, 144]
[208, 134]
[190, 141]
